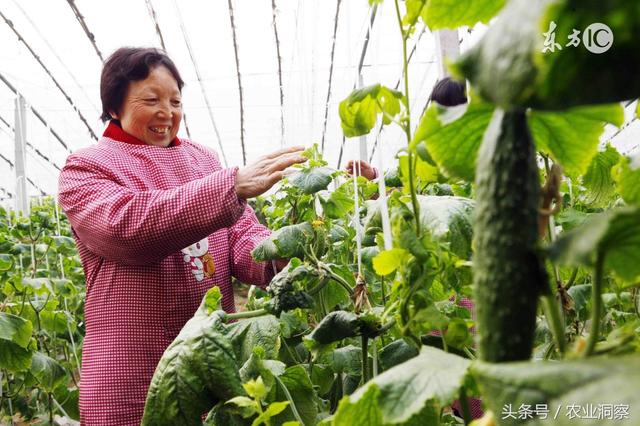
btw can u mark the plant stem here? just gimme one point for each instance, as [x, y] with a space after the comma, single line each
[470, 354]
[383, 292]
[445, 347]
[550, 349]
[412, 188]
[315, 290]
[39, 337]
[310, 365]
[552, 314]
[407, 126]
[59, 407]
[246, 314]
[336, 278]
[73, 342]
[293, 355]
[292, 404]
[572, 278]
[552, 309]
[6, 374]
[387, 326]
[596, 297]
[323, 304]
[374, 348]
[50, 407]
[464, 405]
[365, 359]
[24, 299]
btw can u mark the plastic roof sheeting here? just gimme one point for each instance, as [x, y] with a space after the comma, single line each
[305, 30]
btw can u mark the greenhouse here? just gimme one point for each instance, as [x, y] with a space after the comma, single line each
[345, 212]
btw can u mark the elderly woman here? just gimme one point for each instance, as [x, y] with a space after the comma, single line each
[157, 222]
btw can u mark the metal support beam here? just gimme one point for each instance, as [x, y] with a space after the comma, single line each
[22, 201]
[448, 47]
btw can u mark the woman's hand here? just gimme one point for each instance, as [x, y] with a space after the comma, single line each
[366, 170]
[257, 178]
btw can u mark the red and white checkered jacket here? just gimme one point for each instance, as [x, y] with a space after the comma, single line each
[155, 228]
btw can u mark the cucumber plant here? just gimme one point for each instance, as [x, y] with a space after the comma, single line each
[41, 329]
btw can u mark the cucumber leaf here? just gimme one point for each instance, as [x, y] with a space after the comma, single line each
[615, 233]
[396, 353]
[6, 262]
[359, 111]
[15, 336]
[438, 14]
[598, 180]
[15, 329]
[387, 261]
[49, 373]
[248, 334]
[312, 180]
[423, 171]
[286, 242]
[627, 175]
[196, 371]
[296, 380]
[347, 360]
[334, 327]
[452, 14]
[431, 379]
[594, 382]
[452, 136]
[449, 219]
[363, 412]
[337, 204]
[571, 137]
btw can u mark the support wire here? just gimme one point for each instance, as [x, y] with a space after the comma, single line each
[235, 50]
[46, 70]
[200, 82]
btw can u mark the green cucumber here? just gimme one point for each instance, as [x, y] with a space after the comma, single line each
[508, 273]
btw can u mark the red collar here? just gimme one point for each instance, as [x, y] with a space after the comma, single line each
[115, 132]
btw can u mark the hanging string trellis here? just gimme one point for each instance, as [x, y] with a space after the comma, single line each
[409, 57]
[200, 82]
[237, 57]
[85, 28]
[363, 53]
[50, 74]
[156, 24]
[333, 51]
[62, 63]
[275, 33]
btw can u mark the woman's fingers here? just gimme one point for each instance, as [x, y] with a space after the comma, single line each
[275, 178]
[283, 151]
[258, 177]
[283, 162]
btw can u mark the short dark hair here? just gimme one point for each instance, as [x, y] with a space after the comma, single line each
[448, 92]
[129, 64]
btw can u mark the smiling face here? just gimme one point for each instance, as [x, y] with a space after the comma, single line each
[152, 108]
